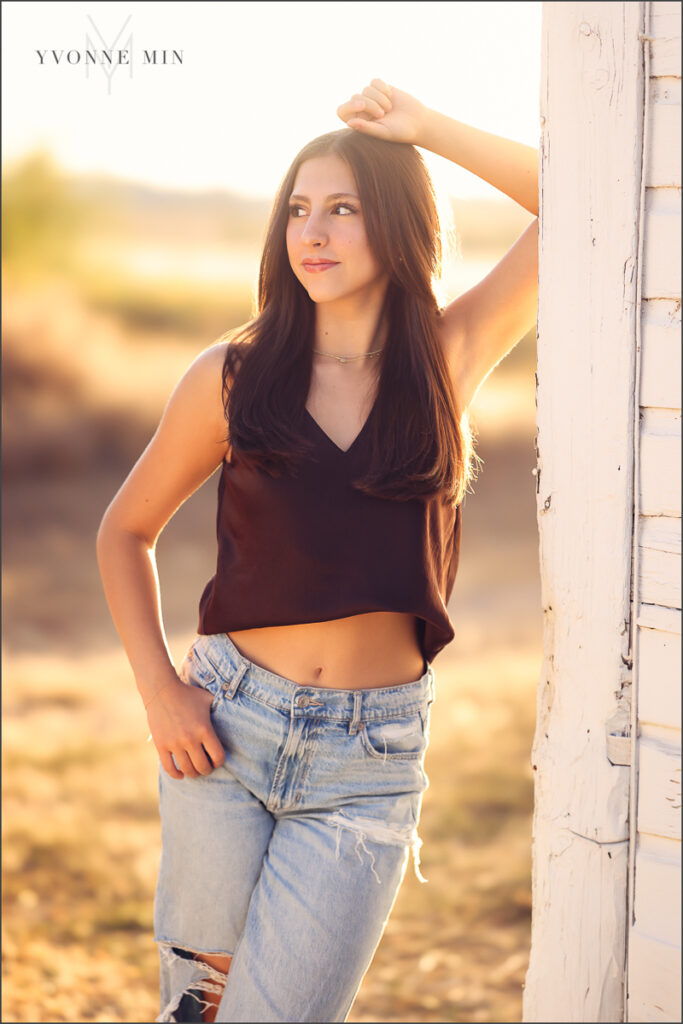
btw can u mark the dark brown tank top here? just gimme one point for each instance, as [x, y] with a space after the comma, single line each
[312, 548]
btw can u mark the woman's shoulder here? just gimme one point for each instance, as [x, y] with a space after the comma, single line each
[229, 350]
[222, 356]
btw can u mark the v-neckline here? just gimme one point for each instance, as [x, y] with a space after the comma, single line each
[357, 438]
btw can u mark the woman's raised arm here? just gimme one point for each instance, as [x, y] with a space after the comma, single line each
[481, 326]
[188, 445]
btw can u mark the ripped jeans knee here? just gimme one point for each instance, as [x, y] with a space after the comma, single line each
[186, 981]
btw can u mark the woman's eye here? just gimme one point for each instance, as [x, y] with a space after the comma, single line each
[341, 208]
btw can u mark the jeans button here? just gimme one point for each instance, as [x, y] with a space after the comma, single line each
[302, 701]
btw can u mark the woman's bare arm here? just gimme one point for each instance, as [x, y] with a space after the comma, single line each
[188, 445]
[481, 326]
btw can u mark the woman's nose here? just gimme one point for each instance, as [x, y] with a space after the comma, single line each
[314, 230]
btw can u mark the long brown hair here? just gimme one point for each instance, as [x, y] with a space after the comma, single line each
[421, 443]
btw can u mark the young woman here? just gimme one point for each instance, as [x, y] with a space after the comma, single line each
[292, 738]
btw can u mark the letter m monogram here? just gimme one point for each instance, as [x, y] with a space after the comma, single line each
[116, 45]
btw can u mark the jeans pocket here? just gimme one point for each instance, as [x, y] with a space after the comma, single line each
[400, 738]
[197, 671]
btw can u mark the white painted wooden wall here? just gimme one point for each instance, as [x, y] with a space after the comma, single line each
[654, 935]
[609, 243]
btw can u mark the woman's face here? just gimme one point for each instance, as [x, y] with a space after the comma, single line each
[326, 242]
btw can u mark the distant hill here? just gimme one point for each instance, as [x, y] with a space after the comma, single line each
[38, 197]
[222, 215]
[172, 214]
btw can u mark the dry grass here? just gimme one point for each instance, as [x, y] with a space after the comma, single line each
[81, 835]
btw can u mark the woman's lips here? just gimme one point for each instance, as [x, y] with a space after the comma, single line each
[318, 268]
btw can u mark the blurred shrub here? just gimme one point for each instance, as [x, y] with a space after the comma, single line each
[42, 216]
[158, 305]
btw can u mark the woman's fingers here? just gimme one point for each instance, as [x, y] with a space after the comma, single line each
[200, 762]
[381, 86]
[199, 758]
[366, 105]
[213, 748]
[168, 765]
[349, 109]
[182, 759]
[374, 102]
[378, 97]
[182, 731]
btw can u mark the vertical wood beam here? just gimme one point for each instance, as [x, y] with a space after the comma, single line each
[590, 172]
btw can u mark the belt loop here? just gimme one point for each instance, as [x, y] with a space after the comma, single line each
[355, 724]
[432, 693]
[230, 689]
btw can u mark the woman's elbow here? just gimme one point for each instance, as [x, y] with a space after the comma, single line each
[106, 536]
[113, 535]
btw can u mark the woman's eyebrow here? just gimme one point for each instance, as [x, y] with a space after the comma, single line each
[335, 195]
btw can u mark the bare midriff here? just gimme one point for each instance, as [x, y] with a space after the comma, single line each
[359, 652]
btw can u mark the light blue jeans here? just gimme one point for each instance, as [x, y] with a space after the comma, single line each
[289, 856]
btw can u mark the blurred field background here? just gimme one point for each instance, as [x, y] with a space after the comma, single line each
[110, 289]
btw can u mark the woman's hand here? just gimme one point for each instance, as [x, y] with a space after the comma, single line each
[386, 113]
[179, 721]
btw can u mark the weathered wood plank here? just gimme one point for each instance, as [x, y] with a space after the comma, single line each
[592, 95]
[662, 244]
[660, 577]
[660, 463]
[663, 162]
[659, 675]
[660, 561]
[665, 51]
[659, 787]
[660, 533]
[651, 616]
[657, 907]
[654, 979]
[592, 877]
[660, 366]
[665, 90]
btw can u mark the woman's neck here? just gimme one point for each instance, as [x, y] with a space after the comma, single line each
[349, 331]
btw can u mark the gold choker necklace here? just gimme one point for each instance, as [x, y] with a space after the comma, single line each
[347, 359]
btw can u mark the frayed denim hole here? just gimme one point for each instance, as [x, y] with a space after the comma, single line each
[364, 830]
[189, 1002]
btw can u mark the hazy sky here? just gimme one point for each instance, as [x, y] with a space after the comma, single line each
[257, 81]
